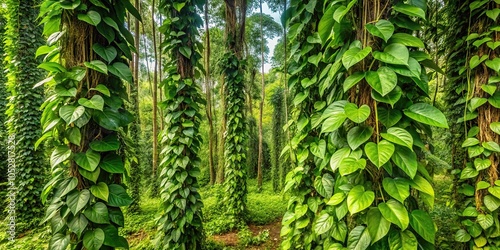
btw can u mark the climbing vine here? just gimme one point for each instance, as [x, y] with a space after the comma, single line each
[84, 118]
[480, 185]
[277, 165]
[180, 224]
[22, 37]
[360, 82]
[236, 132]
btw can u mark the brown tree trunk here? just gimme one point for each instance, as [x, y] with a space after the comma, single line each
[208, 106]
[155, 96]
[261, 106]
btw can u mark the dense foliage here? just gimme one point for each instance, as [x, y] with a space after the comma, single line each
[22, 37]
[84, 118]
[181, 220]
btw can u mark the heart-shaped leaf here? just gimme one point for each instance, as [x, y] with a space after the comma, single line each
[409, 10]
[383, 29]
[98, 213]
[94, 239]
[397, 188]
[78, 224]
[491, 146]
[77, 200]
[98, 66]
[491, 202]
[107, 53]
[379, 154]
[495, 127]
[60, 154]
[88, 160]
[399, 136]
[357, 115]
[354, 55]
[489, 88]
[350, 165]
[358, 135]
[421, 222]
[377, 225]
[388, 117]
[494, 64]
[395, 212]
[112, 163]
[71, 113]
[476, 102]
[406, 160]
[359, 237]
[121, 70]
[384, 80]
[407, 40]
[100, 190]
[493, 45]
[109, 143]
[395, 53]
[358, 199]
[103, 89]
[391, 98]
[481, 164]
[352, 80]
[493, 14]
[427, 114]
[96, 102]
[485, 220]
[92, 17]
[118, 196]
[338, 156]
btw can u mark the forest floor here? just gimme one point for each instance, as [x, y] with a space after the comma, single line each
[265, 210]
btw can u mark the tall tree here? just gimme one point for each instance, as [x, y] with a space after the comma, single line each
[86, 56]
[22, 38]
[359, 80]
[236, 132]
[155, 100]
[478, 48]
[3, 103]
[208, 97]
[181, 220]
[278, 140]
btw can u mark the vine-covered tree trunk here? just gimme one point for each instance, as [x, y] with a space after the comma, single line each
[22, 38]
[85, 117]
[277, 167]
[359, 80]
[181, 220]
[154, 90]
[479, 186]
[236, 132]
[3, 104]
[208, 96]
[261, 105]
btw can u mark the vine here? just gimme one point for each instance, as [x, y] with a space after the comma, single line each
[277, 166]
[181, 220]
[359, 77]
[84, 116]
[480, 187]
[22, 37]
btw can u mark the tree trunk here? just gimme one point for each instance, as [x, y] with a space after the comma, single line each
[155, 101]
[208, 96]
[261, 106]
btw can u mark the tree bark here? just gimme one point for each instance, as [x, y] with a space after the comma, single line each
[155, 97]
[261, 106]
[208, 95]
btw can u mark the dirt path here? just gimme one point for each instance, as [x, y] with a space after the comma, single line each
[231, 238]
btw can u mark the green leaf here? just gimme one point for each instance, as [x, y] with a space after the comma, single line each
[93, 176]
[491, 146]
[493, 64]
[491, 202]
[178, 6]
[394, 53]
[388, 117]
[323, 224]
[328, 184]
[489, 88]
[485, 220]
[495, 191]
[107, 53]
[495, 127]
[337, 158]
[109, 143]
[92, 17]
[98, 213]
[71, 113]
[395, 212]
[339, 231]
[78, 224]
[357, 115]
[118, 197]
[468, 172]
[352, 80]
[60, 154]
[326, 23]
[482, 185]
[475, 61]
[112, 163]
[110, 119]
[476, 102]
[379, 154]
[185, 51]
[358, 135]
[77, 200]
[422, 185]
[350, 165]
[102, 89]
[121, 70]
[407, 40]
[495, 100]
[383, 29]
[421, 222]
[94, 239]
[397, 188]
[399, 136]
[358, 199]
[359, 238]
[427, 114]
[100, 191]
[98, 66]
[377, 225]
[354, 55]
[470, 142]
[384, 80]
[336, 199]
[334, 122]
[63, 92]
[406, 160]
[493, 14]
[74, 136]
[409, 10]
[481, 164]
[96, 102]
[402, 240]
[88, 160]
[59, 242]
[462, 236]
